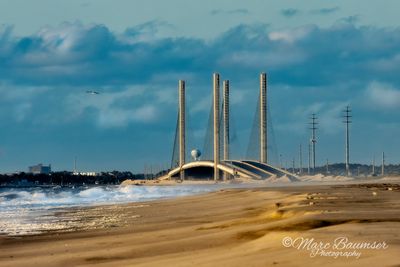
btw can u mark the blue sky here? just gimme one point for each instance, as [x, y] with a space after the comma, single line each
[320, 57]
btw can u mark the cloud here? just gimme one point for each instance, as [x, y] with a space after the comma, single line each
[44, 77]
[388, 64]
[22, 110]
[237, 97]
[138, 74]
[328, 118]
[290, 12]
[351, 19]
[113, 108]
[117, 117]
[85, 4]
[240, 11]
[82, 55]
[383, 96]
[325, 11]
[275, 60]
[202, 105]
[291, 35]
[145, 32]
[17, 101]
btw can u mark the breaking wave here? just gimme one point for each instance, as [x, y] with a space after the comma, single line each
[30, 210]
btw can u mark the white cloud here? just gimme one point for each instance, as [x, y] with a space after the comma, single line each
[201, 105]
[22, 110]
[290, 35]
[166, 96]
[328, 118]
[110, 112]
[306, 111]
[238, 96]
[19, 99]
[383, 95]
[61, 38]
[11, 92]
[279, 58]
[118, 117]
[390, 64]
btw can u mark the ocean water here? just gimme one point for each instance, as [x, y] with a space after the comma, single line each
[32, 210]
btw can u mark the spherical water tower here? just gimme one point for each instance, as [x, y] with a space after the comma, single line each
[195, 153]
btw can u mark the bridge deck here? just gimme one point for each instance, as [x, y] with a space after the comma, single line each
[237, 168]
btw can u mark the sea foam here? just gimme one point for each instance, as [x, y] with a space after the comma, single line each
[32, 210]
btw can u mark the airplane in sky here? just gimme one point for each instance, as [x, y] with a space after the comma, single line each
[92, 92]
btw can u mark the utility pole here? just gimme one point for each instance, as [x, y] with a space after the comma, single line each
[293, 166]
[347, 120]
[309, 158]
[300, 160]
[75, 170]
[313, 138]
[373, 166]
[150, 171]
[383, 163]
[327, 166]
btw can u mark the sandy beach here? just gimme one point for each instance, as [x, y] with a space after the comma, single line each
[261, 226]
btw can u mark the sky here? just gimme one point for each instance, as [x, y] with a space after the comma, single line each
[320, 56]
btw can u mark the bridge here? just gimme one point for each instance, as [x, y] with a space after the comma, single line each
[230, 170]
[224, 167]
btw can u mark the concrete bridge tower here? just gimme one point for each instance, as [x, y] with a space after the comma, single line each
[216, 124]
[263, 118]
[225, 118]
[182, 137]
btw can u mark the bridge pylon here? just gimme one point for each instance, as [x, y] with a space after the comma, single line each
[182, 122]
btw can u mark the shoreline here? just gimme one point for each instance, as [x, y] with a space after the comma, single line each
[68, 218]
[281, 180]
[229, 227]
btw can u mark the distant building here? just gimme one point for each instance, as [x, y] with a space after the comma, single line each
[86, 173]
[40, 169]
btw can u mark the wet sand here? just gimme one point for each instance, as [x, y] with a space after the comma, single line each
[231, 227]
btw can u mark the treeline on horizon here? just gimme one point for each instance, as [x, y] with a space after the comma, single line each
[116, 177]
[356, 169]
[68, 178]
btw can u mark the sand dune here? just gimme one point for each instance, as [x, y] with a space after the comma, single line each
[273, 179]
[325, 178]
